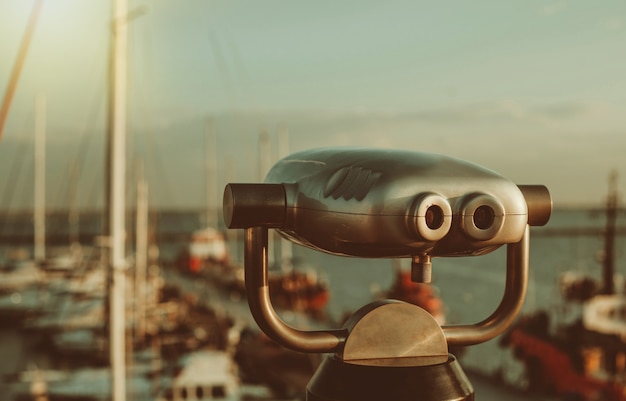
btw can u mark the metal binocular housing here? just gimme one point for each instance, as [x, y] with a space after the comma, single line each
[388, 204]
[375, 203]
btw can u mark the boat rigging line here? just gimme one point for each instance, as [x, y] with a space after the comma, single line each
[19, 63]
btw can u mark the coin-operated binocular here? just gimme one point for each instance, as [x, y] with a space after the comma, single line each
[387, 204]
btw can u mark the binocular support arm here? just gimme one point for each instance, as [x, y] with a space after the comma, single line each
[512, 301]
[257, 291]
[327, 341]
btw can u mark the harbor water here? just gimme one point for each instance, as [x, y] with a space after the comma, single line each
[470, 287]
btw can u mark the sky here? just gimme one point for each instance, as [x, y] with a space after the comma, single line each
[534, 90]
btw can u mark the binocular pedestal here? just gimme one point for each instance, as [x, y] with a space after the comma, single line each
[387, 350]
[336, 380]
[394, 351]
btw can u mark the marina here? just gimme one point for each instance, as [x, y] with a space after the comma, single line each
[230, 201]
[487, 364]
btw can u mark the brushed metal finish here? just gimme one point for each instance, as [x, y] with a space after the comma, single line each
[510, 305]
[372, 203]
[257, 291]
[386, 203]
[394, 333]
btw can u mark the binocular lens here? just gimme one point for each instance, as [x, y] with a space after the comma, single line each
[434, 217]
[430, 216]
[484, 217]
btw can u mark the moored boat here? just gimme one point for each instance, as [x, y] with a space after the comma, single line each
[209, 375]
[582, 353]
[206, 248]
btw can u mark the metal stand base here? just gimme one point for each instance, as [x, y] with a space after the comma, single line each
[336, 380]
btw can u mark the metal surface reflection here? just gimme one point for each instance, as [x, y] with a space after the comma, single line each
[387, 204]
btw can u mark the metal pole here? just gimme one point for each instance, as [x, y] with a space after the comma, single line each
[141, 255]
[608, 263]
[117, 330]
[40, 179]
[212, 217]
[286, 247]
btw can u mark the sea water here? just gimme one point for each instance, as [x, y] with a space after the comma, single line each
[470, 287]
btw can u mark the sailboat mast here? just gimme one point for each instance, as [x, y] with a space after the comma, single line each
[141, 255]
[608, 262]
[265, 163]
[40, 179]
[19, 63]
[212, 214]
[286, 247]
[117, 331]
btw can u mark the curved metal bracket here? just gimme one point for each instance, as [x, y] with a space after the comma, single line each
[257, 291]
[326, 341]
[510, 305]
